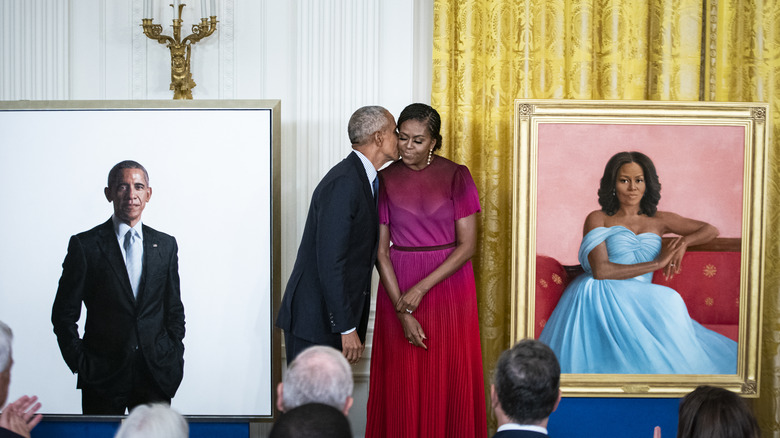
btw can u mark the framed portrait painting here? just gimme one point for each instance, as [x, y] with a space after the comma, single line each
[644, 324]
[215, 169]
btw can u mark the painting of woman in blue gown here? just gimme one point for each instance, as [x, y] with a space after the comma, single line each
[612, 319]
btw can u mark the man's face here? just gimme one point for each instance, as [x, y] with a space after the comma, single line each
[389, 146]
[129, 193]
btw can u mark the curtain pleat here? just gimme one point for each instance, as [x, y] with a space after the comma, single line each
[742, 59]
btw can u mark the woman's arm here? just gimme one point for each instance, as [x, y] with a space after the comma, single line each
[385, 266]
[412, 329]
[603, 269]
[691, 232]
[466, 242]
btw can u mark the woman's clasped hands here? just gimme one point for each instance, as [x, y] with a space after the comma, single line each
[671, 256]
[409, 301]
[413, 331]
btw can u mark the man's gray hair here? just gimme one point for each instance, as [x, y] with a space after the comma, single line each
[6, 337]
[153, 421]
[366, 121]
[319, 374]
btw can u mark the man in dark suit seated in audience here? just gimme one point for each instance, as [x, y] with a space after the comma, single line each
[312, 420]
[320, 374]
[18, 418]
[526, 390]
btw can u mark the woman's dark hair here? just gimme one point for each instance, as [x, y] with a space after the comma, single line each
[607, 197]
[425, 114]
[715, 413]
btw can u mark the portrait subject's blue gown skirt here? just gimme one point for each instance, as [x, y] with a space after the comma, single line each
[631, 326]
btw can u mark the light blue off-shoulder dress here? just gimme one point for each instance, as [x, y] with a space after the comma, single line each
[631, 326]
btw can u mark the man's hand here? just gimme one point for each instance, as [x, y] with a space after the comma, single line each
[351, 347]
[20, 416]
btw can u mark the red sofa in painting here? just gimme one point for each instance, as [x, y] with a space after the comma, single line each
[709, 285]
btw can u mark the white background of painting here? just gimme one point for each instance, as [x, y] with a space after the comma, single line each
[211, 180]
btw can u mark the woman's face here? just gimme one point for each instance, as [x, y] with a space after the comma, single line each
[414, 142]
[630, 184]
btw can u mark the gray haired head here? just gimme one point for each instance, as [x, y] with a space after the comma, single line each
[319, 374]
[6, 338]
[366, 121]
[153, 421]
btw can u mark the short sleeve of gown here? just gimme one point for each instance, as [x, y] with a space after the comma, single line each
[464, 194]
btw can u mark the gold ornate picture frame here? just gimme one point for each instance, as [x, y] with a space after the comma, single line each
[711, 161]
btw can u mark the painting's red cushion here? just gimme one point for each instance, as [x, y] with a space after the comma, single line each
[730, 331]
[709, 285]
[551, 280]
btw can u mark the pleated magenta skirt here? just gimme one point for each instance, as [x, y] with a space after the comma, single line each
[437, 392]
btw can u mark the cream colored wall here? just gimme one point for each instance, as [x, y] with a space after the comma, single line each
[322, 58]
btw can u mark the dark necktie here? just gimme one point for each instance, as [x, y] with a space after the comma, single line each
[375, 185]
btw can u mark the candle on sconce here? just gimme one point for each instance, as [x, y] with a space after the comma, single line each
[203, 11]
[213, 8]
[147, 9]
[175, 9]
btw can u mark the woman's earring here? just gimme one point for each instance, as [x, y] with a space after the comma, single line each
[430, 155]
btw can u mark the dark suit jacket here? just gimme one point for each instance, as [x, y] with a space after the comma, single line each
[5, 433]
[519, 434]
[117, 323]
[329, 289]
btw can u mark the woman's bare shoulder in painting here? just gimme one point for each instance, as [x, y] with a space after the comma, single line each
[595, 219]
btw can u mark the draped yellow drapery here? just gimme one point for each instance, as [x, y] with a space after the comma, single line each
[486, 53]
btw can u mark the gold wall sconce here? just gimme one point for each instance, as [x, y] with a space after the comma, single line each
[181, 49]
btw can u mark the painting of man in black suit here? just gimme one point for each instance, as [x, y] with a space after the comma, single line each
[126, 274]
[327, 298]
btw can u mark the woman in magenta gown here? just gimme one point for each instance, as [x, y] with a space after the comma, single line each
[426, 362]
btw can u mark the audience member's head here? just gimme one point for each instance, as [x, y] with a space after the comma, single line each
[526, 387]
[153, 421]
[6, 360]
[312, 420]
[318, 374]
[715, 413]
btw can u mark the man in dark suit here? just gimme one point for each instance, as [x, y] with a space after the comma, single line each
[327, 298]
[526, 390]
[127, 275]
[312, 420]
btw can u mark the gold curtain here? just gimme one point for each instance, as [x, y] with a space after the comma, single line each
[486, 53]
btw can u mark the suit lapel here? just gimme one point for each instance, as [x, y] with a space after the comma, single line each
[151, 258]
[361, 173]
[109, 247]
[369, 198]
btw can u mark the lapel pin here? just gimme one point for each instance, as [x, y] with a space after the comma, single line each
[154, 245]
